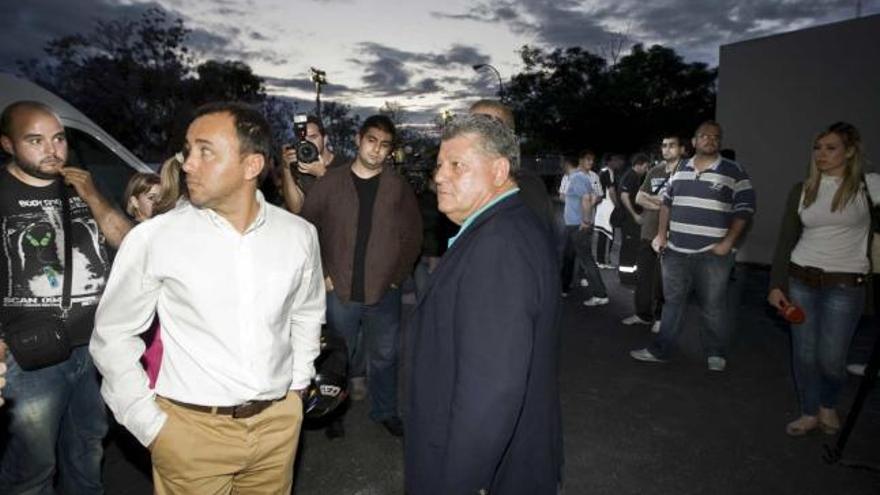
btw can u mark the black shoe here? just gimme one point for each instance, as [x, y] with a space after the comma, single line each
[394, 426]
[335, 429]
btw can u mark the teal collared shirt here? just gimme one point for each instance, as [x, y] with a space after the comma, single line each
[469, 220]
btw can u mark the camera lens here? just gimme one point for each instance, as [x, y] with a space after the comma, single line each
[306, 152]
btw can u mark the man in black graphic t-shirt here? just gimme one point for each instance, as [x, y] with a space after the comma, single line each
[62, 399]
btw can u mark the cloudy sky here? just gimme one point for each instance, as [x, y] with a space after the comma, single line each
[419, 53]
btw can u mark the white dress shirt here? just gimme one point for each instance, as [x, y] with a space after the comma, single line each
[240, 313]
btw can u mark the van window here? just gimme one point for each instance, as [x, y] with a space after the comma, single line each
[110, 172]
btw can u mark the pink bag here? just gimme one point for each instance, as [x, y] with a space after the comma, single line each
[152, 358]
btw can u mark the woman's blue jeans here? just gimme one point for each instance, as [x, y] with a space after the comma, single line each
[819, 344]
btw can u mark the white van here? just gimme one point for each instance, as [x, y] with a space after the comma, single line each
[90, 147]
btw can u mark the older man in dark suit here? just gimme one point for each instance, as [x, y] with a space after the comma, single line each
[484, 412]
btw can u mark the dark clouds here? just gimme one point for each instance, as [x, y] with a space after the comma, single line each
[26, 27]
[693, 27]
[227, 41]
[390, 71]
[306, 85]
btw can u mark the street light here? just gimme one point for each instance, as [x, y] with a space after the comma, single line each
[479, 67]
[318, 77]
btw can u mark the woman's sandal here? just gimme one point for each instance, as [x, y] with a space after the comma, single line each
[829, 422]
[802, 426]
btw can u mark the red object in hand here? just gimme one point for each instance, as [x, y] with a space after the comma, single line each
[793, 314]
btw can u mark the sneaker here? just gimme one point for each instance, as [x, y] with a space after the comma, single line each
[394, 426]
[716, 363]
[335, 430]
[596, 301]
[585, 282]
[645, 356]
[358, 388]
[655, 328]
[634, 320]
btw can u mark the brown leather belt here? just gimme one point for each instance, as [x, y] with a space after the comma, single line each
[241, 411]
[819, 279]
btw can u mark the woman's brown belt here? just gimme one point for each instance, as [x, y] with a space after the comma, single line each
[820, 279]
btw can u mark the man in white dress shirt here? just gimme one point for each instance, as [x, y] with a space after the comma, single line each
[238, 287]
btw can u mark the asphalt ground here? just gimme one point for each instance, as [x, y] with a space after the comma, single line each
[630, 427]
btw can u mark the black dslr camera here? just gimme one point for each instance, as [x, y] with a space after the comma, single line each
[306, 152]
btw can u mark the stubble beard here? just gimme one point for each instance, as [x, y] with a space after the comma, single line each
[33, 169]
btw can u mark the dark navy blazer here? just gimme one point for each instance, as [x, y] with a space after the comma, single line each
[482, 363]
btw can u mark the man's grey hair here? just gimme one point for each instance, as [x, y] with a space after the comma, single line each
[494, 138]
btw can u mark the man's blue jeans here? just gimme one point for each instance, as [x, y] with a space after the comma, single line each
[54, 409]
[380, 324]
[707, 274]
[819, 344]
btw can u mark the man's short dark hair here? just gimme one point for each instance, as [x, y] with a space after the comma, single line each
[640, 158]
[381, 122]
[8, 115]
[670, 135]
[585, 153]
[252, 128]
[313, 119]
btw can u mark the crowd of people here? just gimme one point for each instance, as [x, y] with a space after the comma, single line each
[681, 222]
[202, 339]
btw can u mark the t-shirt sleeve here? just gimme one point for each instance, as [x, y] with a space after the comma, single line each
[629, 183]
[646, 184]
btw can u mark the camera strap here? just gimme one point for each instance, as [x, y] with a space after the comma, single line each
[68, 250]
[666, 179]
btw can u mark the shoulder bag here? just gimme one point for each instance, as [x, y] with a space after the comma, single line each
[38, 339]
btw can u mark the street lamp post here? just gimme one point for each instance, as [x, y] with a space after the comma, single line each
[319, 77]
[479, 67]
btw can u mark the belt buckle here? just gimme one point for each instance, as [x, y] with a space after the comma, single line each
[245, 410]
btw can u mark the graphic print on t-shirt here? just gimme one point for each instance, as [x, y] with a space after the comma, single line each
[33, 248]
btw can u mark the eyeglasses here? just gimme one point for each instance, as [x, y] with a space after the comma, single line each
[714, 137]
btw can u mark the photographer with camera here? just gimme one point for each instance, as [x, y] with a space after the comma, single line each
[305, 160]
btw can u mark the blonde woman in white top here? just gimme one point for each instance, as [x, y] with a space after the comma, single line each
[822, 265]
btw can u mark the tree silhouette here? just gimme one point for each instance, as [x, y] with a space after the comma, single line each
[138, 80]
[569, 99]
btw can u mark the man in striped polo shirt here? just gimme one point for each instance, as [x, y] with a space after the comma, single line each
[706, 206]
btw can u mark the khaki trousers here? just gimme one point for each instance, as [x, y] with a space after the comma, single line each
[204, 454]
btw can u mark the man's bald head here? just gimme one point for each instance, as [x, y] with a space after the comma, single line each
[495, 108]
[15, 111]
